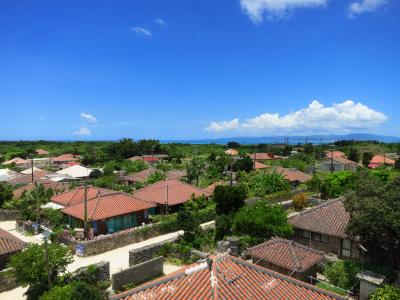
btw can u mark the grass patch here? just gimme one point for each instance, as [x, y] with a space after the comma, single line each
[331, 288]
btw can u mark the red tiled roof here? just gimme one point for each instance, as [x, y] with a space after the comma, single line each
[150, 158]
[342, 160]
[264, 156]
[329, 218]
[105, 206]
[66, 158]
[47, 184]
[210, 189]
[9, 243]
[77, 195]
[259, 165]
[17, 161]
[140, 176]
[231, 152]
[293, 175]
[23, 179]
[226, 278]
[174, 190]
[335, 154]
[176, 174]
[286, 254]
[41, 152]
[380, 160]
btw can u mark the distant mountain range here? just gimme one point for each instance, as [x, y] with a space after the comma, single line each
[315, 139]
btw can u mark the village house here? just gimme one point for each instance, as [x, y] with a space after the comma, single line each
[295, 177]
[334, 154]
[226, 277]
[323, 228]
[232, 152]
[137, 177]
[76, 171]
[287, 257]
[264, 156]
[57, 187]
[338, 164]
[169, 194]
[18, 161]
[41, 152]
[9, 245]
[259, 166]
[380, 160]
[108, 211]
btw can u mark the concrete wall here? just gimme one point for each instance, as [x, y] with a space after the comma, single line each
[138, 273]
[145, 253]
[8, 214]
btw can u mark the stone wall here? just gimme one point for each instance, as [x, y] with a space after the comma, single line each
[8, 214]
[109, 242]
[104, 270]
[145, 253]
[7, 282]
[139, 273]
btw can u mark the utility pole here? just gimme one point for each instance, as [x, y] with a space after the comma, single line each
[31, 168]
[85, 225]
[46, 234]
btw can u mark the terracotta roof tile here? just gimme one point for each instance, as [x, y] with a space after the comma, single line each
[171, 190]
[77, 195]
[9, 243]
[265, 156]
[140, 176]
[329, 218]
[227, 278]
[293, 175]
[17, 161]
[66, 158]
[335, 154]
[380, 159]
[109, 205]
[287, 254]
[176, 174]
[47, 184]
[41, 152]
[259, 165]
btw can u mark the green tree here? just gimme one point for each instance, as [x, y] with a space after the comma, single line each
[374, 209]
[243, 164]
[354, 155]
[336, 184]
[6, 193]
[397, 164]
[366, 158]
[229, 198]
[261, 183]
[78, 290]
[30, 268]
[308, 148]
[262, 221]
[343, 274]
[155, 177]
[194, 169]
[388, 292]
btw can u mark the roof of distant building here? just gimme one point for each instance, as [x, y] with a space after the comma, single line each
[293, 175]
[77, 195]
[334, 153]
[231, 152]
[17, 161]
[381, 159]
[264, 156]
[140, 176]
[287, 254]
[9, 243]
[76, 171]
[226, 277]
[41, 152]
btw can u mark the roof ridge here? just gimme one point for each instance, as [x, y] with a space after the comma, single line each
[294, 256]
[307, 211]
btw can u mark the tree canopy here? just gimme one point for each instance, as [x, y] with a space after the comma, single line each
[229, 198]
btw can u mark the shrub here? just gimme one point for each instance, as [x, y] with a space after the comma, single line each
[300, 201]
[388, 292]
[343, 274]
[74, 291]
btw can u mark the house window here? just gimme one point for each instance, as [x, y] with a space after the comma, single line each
[346, 247]
[324, 239]
[306, 234]
[316, 237]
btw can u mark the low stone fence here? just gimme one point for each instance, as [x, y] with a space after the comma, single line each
[138, 273]
[104, 270]
[109, 242]
[8, 214]
[7, 281]
[145, 253]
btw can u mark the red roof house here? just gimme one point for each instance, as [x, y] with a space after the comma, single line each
[380, 160]
[42, 152]
[9, 244]
[334, 153]
[226, 277]
[77, 195]
[265, 156]
[287, 257]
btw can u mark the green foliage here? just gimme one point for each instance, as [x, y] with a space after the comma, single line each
[155, 177]
[343, 274]
[194, 169]
[374, 208]
[126, 148]
[262, 220]
[397, 164]
[228, 198]
[388, 292]
[298, 161]
[353, 155]
[336, 184]
[53, 216]
[308, 148]
[74, 291]
[6, 193]
[327, 287]
[96, 173]
[29, 266]
[366, 158]
[223, 225]
[261, 184]
[300, 201]
[244, 164]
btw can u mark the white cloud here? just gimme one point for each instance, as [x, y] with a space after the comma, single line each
[88, 117]
[342, 117]
[276, 9]
[363, 6]
[141, 31]
[83, 131]
[160, 22]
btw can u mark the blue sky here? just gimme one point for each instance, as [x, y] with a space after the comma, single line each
[196, 69]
